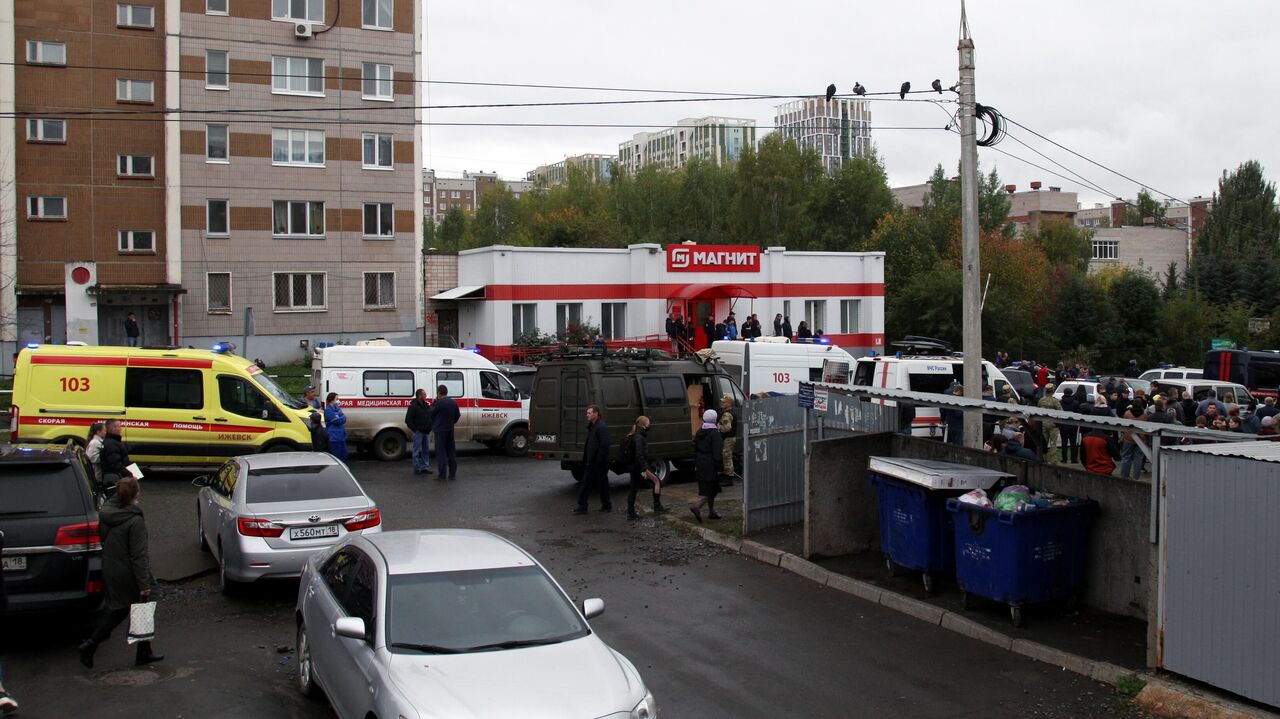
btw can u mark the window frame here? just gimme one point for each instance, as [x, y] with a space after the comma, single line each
[460, 380]
[130, 171]
[127, 247]
[324, 307]
[225, 72]
[312, 205]
[382, 303]
[1112, 244]
[209, 159]
[226, 7]
[289, 76]
[208, 295]
[608, 319]
[125, 16]
[288, 139]
[40, 214]
[145, 377]
[845, 326]
[377, 151]
[815, 310]
[385, 211]
[377, 81]
[208, 217]
[389, 376]
[289, 18]
[568, 310]
[518, 319]
[128, 83]
[35, 53]
[39, 136]
[391, 9]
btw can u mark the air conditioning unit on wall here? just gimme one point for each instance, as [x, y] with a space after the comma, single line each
[302, 30]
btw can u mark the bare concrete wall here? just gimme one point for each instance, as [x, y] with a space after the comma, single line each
[840, 505]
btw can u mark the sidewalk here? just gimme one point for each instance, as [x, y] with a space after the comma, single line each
[1105, 647]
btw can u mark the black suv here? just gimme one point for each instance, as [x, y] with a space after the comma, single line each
[49, 516]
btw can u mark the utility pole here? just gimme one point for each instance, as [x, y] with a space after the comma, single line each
[972, 343]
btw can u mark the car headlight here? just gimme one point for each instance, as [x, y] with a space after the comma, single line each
[647, 708]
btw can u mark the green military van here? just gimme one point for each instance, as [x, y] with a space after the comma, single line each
[673, 393]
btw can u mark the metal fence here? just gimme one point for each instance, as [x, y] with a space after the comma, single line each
[777, 434]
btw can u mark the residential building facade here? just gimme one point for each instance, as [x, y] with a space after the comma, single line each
[1027, 210]
[836, 129]
[439, 194]
[721, 140]
[1149, 250]
[599, 167]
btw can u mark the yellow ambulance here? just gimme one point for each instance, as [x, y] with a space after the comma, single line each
[178, 407]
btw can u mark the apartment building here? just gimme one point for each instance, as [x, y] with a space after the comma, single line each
[837, 129]
[717, 139]
[439, 194]
[83, 233]
[599, 167]
[300, 204]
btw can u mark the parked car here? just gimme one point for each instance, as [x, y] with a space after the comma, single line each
[264, 515]
[454, 623]
[52, 559]
[1091, 386]
[1172, 373]
[1199, 389]
[1023, 383]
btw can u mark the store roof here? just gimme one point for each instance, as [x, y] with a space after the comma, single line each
[1265, 450]
[465, 292]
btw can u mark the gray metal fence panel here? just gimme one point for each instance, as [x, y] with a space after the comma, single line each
[1221, 572]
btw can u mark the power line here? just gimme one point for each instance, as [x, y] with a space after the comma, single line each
[1083, 181]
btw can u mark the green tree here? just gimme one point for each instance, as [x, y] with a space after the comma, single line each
[704, 203]
[773, 193]
[930, 305]
[452, 229]
[904, 238]
[1082, 315]
[1064, 244]
[1185, 329]
[849, 205]
[1137, 302]
[942, 207]
[497, 219]
[428, 233]
[1136, 214]
[1235, 251]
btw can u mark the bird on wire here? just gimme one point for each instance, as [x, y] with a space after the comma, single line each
[858, 89]
[937, 85]
[902, 93]
[831, 91]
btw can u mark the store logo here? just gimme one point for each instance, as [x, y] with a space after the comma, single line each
[713, 258]
[679, 258]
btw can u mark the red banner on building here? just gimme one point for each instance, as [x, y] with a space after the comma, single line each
[713, 258]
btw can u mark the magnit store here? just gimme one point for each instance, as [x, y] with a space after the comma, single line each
[504, 293]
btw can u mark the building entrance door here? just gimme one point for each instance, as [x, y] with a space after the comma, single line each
[701, 311]
[447, 328]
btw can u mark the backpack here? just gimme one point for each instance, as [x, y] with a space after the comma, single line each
[627, 452]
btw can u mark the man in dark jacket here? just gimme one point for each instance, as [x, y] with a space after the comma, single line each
[418, 419]
[131, 330]
[319, 435]
[954, 418]
[8, 704]
[595, 463]
[1132, 371]
[115, 456]
[444, 415]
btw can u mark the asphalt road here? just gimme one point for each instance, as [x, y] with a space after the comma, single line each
[714, 634]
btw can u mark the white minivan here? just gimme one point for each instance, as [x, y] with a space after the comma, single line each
[376, 384]
[924, 374]
[778, 365]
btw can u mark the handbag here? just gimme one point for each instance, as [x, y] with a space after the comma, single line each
[142, 622]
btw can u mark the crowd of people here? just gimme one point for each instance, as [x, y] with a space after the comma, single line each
[679, 331]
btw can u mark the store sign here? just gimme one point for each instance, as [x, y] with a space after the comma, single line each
[713, 258]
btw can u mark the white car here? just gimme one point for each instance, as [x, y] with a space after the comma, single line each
[1172, 373]
[457, 623]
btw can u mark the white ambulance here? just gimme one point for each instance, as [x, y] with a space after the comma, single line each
[779, 365]
[377, 382]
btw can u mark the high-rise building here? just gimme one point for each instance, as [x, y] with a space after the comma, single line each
[599, 167]
[836, 129]
[721, 140]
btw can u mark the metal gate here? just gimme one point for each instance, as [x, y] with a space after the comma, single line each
[777, 432]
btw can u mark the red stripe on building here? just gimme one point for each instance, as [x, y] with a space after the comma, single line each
[172, 363]
[534, 293]
[65, 360]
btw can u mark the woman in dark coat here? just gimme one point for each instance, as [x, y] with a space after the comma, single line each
[642, 477]
[126, 568]
[708, 451]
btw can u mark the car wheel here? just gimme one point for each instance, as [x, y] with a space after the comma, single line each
[306, 672]
[515, 443]
[389, 445]
[661, 468]
[204, 544]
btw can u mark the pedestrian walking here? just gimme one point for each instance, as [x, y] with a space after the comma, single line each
[126, 569]
[114, 457]
[93, 448]
[311, 398]
[595, 463]
[335, 422]
[1048, 429]
[444, 416]
[131, 330]
[708, 451]
[418, 419]
[637, 459]
[319, 435]
[8, 704]
[728, 426]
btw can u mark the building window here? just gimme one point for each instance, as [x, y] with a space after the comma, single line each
[377, 151]
[135, 166]
[141, 16]
[456, 194]
[45, 207]
[379, 290]
[297, 147]
[1106, 249]
[216, 7]
[217, 143]
[216, 216]
[137, 241]
[524, 320]
[376, 15]
[815, 314]
[375, 81]
[40, 52]
[297, 76]
[299, 291]
[215, 70]
[378, 220]
[134, 91]
[218, 293]
[443, 194]
[46, 130]
[613, 320]
[298, 10]
[850, 317]
[297, 218]
[568, 314]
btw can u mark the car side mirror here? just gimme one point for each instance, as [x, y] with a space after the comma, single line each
[350, 627]
[508, 394]
[203, 480]
[525, 395]
[592, 608]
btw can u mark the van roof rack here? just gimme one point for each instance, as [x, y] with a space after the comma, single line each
[917, 345]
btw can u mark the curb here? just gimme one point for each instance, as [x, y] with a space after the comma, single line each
[1160, 696]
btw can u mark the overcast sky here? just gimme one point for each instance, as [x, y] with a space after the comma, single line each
[1170, 93]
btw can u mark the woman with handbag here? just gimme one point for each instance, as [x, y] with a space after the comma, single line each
[126, 568]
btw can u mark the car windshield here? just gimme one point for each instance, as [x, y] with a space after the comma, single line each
[278, 392]
[478, 610]
[292, 484]
[39, 489]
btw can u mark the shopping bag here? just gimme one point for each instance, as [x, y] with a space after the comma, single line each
[142, 622]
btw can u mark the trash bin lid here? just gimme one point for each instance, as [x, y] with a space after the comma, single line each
[931, 474]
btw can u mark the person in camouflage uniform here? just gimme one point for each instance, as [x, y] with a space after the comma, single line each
[1047, 428]
[728, 425]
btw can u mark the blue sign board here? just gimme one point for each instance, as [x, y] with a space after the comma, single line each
[806, 395]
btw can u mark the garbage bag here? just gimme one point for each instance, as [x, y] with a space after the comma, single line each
[978, 497]
[1014, 498]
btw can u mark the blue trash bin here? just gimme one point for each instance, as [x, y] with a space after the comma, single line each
[1019, 558]
[915, 528]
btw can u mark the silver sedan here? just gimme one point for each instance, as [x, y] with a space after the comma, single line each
[264, 515]
[454, 623]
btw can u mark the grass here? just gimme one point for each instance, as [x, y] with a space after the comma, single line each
[1129, 685]
[292, 377]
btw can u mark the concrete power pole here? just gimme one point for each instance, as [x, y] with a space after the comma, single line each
[972, 344]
